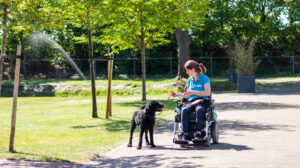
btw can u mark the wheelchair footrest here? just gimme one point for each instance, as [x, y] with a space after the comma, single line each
[202, 140]
[180, 142]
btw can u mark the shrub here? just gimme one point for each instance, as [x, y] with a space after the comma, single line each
[241, 57]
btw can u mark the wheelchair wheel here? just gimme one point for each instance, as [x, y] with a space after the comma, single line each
[207, 143]
[215, 132]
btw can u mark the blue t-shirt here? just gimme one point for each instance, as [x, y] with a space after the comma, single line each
[197, 85]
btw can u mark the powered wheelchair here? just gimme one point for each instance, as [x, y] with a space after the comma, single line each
[210, 127]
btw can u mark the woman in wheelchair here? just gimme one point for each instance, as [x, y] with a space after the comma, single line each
[198, 86]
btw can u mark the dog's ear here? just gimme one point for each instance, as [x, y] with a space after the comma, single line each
[149, 104]
[143, 106]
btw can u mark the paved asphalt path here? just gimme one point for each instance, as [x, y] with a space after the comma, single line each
[257, 131]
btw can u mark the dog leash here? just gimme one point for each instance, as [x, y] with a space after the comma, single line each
[157, 114]
[169, 100]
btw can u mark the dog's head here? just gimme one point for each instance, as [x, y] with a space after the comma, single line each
[154, 106]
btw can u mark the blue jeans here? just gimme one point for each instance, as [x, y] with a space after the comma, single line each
[200, 115]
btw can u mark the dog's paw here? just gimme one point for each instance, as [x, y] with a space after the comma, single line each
[129, 145]
[139, 147]
[153, 146]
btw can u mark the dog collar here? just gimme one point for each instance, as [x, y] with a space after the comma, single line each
[148, 114]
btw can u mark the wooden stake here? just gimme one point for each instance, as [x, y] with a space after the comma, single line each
[108, 105]
[15, 99]
[110, 96]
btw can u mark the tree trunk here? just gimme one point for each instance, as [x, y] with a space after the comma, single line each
[183, 41]
[143, 55]
[92, 72]
[4, 33]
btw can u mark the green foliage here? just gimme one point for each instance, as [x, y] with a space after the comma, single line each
[212, 25]
[190, 14]
[79, 13]
[152, 20]
[136, 22]
[22, 15]
[260, 19]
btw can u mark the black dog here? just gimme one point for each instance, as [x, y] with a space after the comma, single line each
[145, 118]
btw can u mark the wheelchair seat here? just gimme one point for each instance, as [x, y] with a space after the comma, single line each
[209, 130]
[192, 115]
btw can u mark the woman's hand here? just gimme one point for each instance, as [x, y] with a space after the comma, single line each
[187, 93]
[176, 94]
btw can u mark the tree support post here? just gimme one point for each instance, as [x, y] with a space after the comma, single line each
[109, 92]
[15, 98]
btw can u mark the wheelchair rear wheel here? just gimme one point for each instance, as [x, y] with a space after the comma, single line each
[215, 132]
[207, 143]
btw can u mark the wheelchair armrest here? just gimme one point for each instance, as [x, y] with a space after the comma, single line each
[212, 101]
[196, 102]
[176, 101]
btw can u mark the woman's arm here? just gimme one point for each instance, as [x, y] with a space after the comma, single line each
[206, 92]
[176, 94]
[181, 94]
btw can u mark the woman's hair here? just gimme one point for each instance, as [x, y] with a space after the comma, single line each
[199, 67]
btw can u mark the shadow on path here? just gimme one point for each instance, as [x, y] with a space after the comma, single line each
[250, 126]
[21, 164]
[190, 147]
[157, 160]
[279, 88]
[230, 106]
[154, 160]
[227, 125]
[279, 92]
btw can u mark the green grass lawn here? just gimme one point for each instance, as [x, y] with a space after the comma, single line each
[62, 129]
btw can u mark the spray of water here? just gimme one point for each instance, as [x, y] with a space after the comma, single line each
[39, 38]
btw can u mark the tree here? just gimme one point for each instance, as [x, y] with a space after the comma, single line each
[4, 18]
[144, 24]
[291, 33]
[190, 15]
[140, 25]
[183, 52]
[259, 19]
[17, 16]
[90, 15]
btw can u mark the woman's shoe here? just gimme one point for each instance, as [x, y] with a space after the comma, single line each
[198, 137]
[186, 137]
